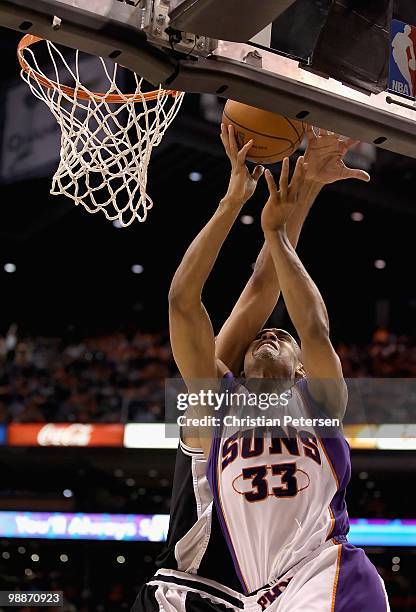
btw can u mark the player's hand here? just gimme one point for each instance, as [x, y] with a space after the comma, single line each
[242, 183]
[324, 157]
[282, 201]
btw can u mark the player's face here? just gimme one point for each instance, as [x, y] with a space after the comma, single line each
[273, 354]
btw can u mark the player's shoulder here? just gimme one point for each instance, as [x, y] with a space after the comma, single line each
[324, 398]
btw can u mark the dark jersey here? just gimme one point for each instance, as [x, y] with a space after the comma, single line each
[195, 542]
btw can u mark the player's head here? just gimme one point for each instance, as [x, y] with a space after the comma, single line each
[407, 30]
[274, 353]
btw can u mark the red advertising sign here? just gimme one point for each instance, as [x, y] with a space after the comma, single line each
[64, 434]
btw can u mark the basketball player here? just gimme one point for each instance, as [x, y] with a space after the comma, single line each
[258, 550]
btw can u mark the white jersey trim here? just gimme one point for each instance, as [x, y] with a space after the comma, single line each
[197, 579]
[189, 451]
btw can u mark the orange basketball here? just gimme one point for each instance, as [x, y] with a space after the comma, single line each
[275, 136]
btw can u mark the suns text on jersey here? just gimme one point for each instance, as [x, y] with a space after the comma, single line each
[276, 441]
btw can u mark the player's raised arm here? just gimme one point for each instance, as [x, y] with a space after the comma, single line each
[323, 156]
[304, 302]
[191, 332]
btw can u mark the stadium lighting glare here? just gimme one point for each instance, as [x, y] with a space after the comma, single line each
[395, 560]
[28, 571]
[357, 216]
[10, 268]
[67, 493]
[63, 558]
[380, 264]
[5, 555]
[137, 269]
[35, 558]
[195, 177]
[246, 219]
[130, 482]
[21, 550]
[395, 568]
[121, 559]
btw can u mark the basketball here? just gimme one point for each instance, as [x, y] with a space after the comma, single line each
[275, 136]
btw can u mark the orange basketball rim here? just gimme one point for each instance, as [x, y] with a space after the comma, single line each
[28, 40]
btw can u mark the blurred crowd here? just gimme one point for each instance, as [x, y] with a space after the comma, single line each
[387, 356]
[120, 376]
[382, 388]
[110, 378]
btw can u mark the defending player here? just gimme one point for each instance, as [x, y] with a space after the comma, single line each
[201, 568]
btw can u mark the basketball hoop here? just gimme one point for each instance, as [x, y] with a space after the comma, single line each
[107, 138]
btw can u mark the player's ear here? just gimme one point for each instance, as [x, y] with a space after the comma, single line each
[242, 375]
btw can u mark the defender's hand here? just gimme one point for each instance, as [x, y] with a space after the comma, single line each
[324, 155]
[282, 201]
[242, 183]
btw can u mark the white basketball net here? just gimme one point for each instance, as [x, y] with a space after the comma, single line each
[105, 147]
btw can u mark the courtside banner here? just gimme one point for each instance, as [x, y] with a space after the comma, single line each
[382, 532]
[154, 528]
[359, 437]
[149, 435]
[64, 434]
[81, 526]
[381, 437]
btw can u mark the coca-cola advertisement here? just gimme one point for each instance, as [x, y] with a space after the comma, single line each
[64, 434]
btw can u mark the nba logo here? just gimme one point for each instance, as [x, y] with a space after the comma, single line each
[402, 79]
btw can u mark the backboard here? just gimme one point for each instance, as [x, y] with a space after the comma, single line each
[137, 33]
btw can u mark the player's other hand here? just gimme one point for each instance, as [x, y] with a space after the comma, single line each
[324, 157]
[282, 201]
[242, 182]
